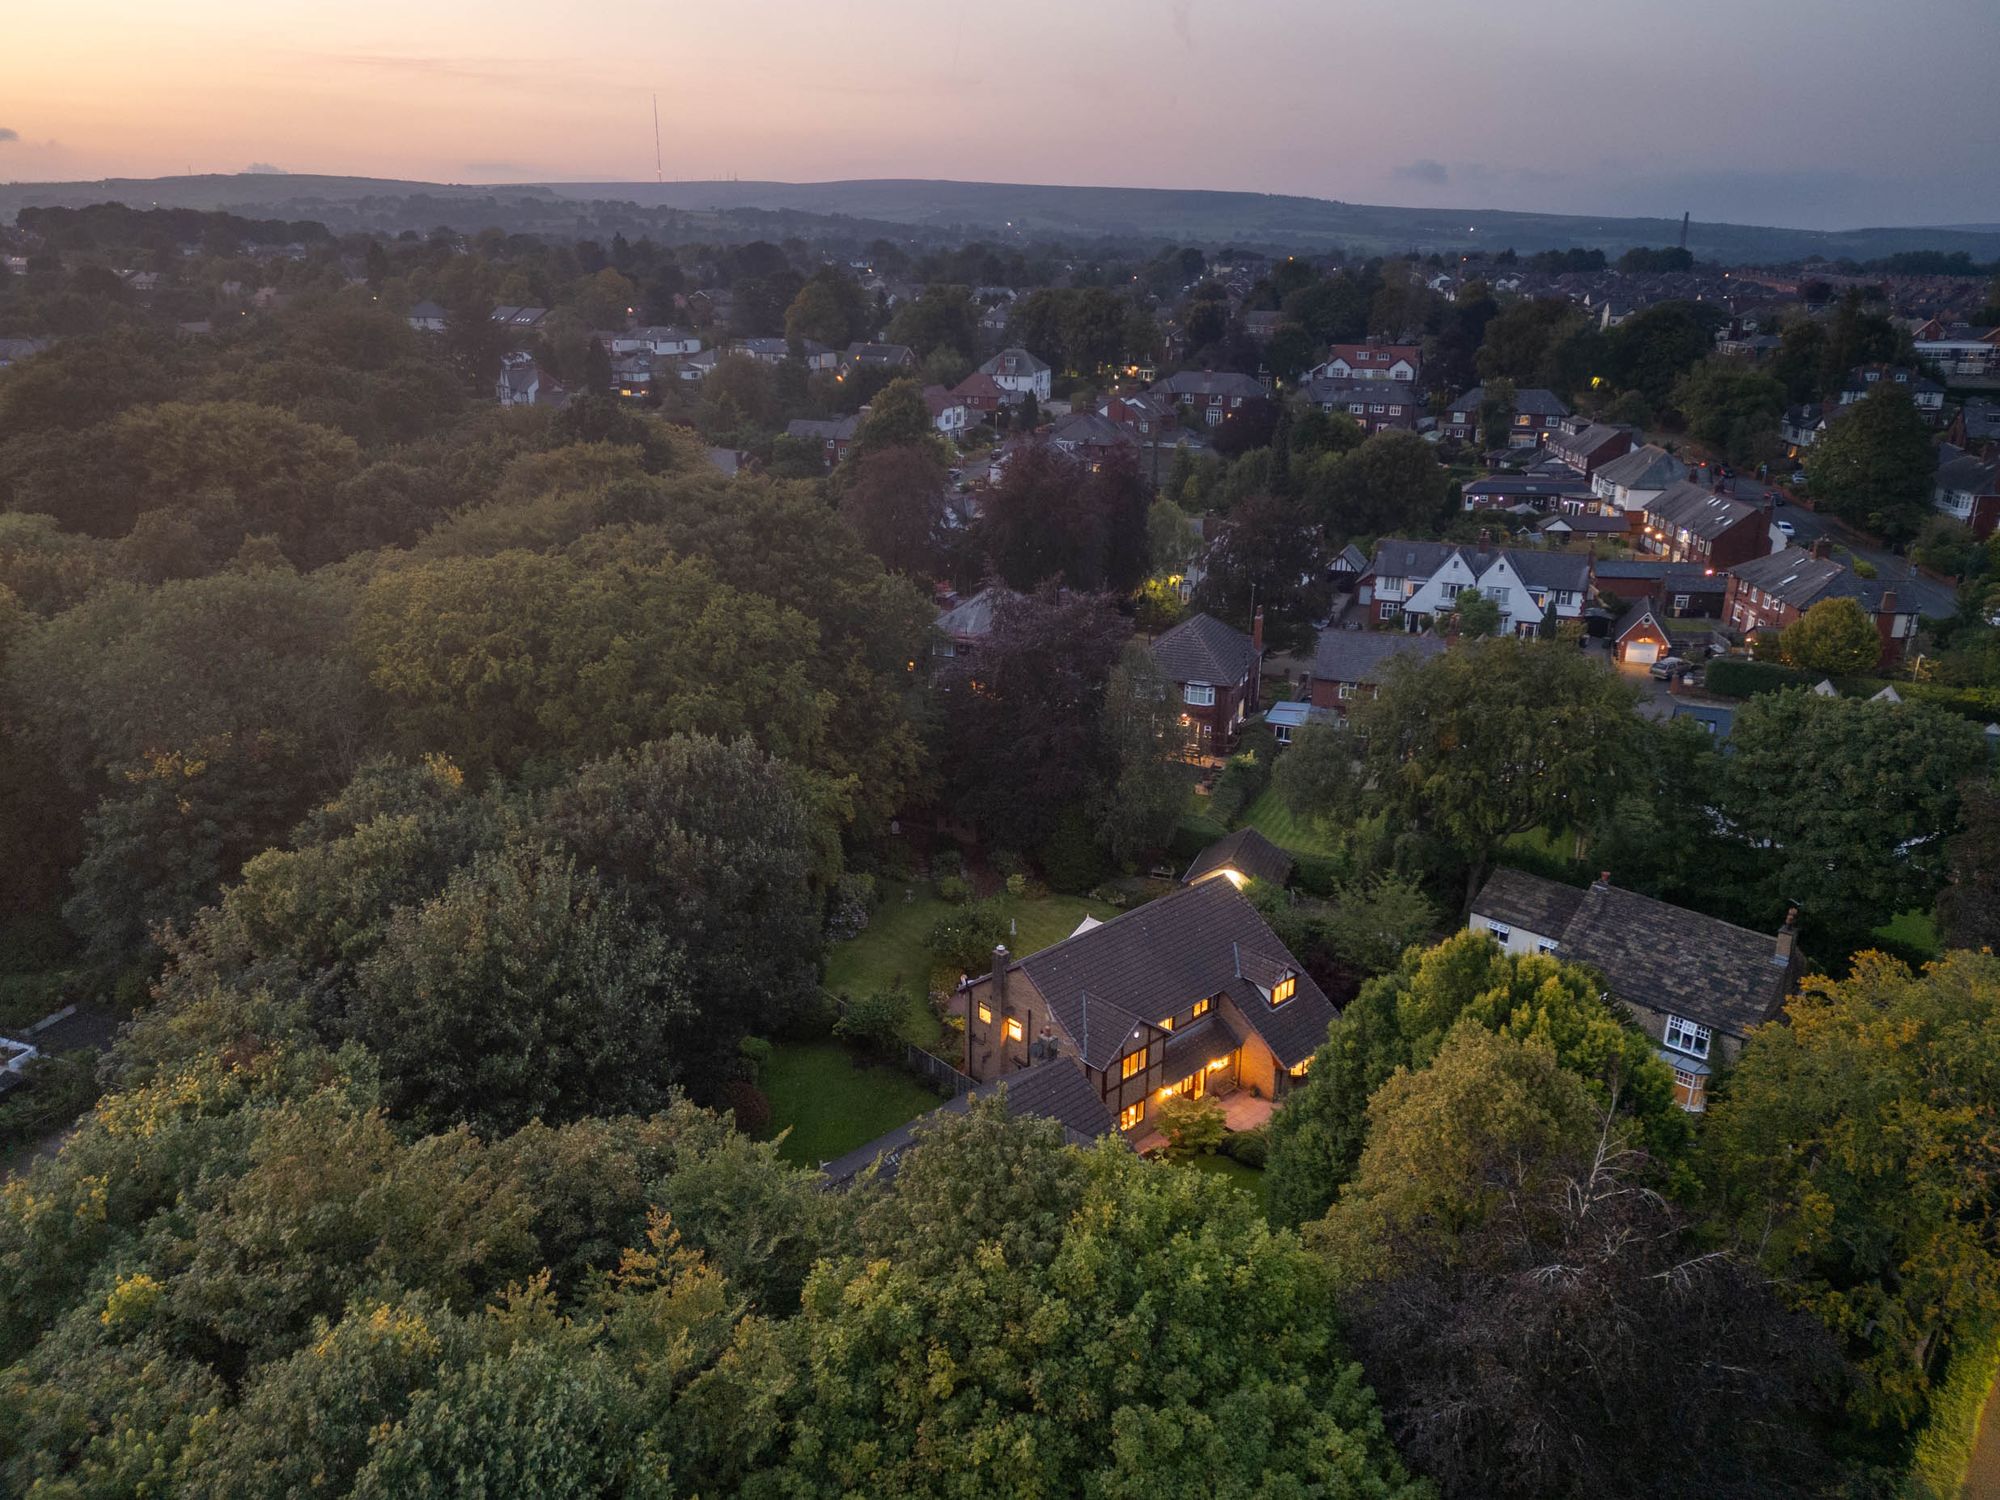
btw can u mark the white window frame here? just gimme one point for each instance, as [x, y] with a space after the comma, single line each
[1501, 935]
[1685, 1036]
[1198, 695]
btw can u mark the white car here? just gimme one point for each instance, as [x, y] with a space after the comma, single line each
[1787, 528]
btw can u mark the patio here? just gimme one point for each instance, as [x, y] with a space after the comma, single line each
[1241, 1110]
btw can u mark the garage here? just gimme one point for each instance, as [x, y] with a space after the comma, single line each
[1642, 653]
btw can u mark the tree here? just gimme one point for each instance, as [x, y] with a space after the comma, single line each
[1192, 1127]
[1391, 482]
[897, 417]
[1854, 1145]
[1375, 921]
[1853, 799]
[1170, 540]
[894, 497]
[1144, 792]
[1496, 412]
[1491, 739]
[1269, 556]
[941, 317]
[1654, 347]
[1968, 907]
[1873, 466]
[1051, 518]
[1476, 615]
[1729, 406]
[830, 309]
[1834, 638]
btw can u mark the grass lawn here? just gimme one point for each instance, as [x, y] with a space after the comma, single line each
[1270, 817]
[889, 954]
[1913, 929]
[1245, 1180]
[831, 1106]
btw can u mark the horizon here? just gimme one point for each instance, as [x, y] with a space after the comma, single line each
[1784, 126]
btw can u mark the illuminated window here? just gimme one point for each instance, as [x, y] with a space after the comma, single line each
[985, 1014]
[1131, 1063]
[1217, 1064]
[1166, 1023]
[1131, 1115]
[1201, 1007]
[1285, 989]
[1014, 1032]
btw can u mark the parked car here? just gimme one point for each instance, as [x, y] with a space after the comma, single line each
[1667, 668]
[1787, 528]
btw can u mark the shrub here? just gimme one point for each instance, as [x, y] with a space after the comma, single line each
[1017, 885]
[1251, 1147]
[947, 863]
[1194, 833]
[849, 907]
[953, 890]
[747, 1103]
[1071, 859]
[57, 1089]
[964, 938]
[1732, 677]
[755, 1051]
[1006, 863]
[1226, 804]
[1192, 1126]
[874, 1022]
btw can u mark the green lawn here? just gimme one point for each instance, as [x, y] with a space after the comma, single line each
[1270, 817]
[1245, 1180]
[831, 1106]
[1913, 929]
[890, 955]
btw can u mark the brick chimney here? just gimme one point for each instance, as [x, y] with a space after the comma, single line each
[1603, 881]
[1257, 630]
[1822, 549]
[1888, 602]
[1781, 952]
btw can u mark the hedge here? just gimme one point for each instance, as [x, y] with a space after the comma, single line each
[1732, 677]
[1943, 1450]
[1192, 834]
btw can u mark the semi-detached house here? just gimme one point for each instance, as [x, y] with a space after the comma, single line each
[1410, 583]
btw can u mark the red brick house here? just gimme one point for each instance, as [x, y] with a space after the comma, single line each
[1214, 671]
[1689, 522]
[1589, 446]
[1771, 592]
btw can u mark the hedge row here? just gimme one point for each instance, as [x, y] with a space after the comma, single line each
[1732, 677]
[1944, 1448]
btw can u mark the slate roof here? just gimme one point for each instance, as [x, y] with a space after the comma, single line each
[1203, 649]
[1647, 468]
[1324, 390]
[838, 429]
[1013, 362]
[1350, 559]
[1396, 557]
[1664, 958]
[1201, 940]
[973, 617]
[1585, 525]
[1055, 1089]
[1697, 509]
[1529, 401]
[1210, 383]
[1590, 439]
[1677, 573]
[1801, 580]
[1507, 486]
[1247, 851]
[880, 354]
[1362, 655]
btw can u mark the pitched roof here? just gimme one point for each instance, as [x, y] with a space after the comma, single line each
[1646, 569]
[1662, 957]
[1697, 509]
[1396, 557]
[1201, 940]
[1203, 649]
[1055, 1089]
[1013, 362]
[1209, 383]
[973, 617]
[1529, 401]
[1801, 580]
[1647, 468]
[838, 430]
[1363, 655]
[1245, 851]
[1591, 438]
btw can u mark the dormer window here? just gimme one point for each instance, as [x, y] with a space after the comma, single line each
[1284, 989]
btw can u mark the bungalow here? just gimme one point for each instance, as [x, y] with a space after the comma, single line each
[1769, 593]
[1214, 671]
[1412, 582]
[1564, 528]
[1513, 491]
[1696, 985]
[1631, 481]
[1191, 994]
[1538, 415]
[1019, 371]
[1398, 362]
[1591, 446]
[834, 437]
[1689, 522]
[1966, 487]
[1239, 858]
[893, 357]
[1372, 405]
[426, 317]
[659, 341]
[1348, 665]
[1215, 395]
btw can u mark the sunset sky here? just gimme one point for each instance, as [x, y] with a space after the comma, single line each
[1824, 113]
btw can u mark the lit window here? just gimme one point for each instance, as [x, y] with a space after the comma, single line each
[1166, 1023]
[985, 1014]
[1217, 1064]
[1131, 1115]
[1131, 1063]
[1284, 989]
[1014, 1032]
[1684, 1035]
[1201, 1007]
[1200, 694]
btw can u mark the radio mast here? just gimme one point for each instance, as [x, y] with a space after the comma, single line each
[659, 171]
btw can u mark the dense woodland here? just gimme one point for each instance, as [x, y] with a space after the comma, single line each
[457, 800]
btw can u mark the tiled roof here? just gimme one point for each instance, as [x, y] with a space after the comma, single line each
[1013, 362]
[972, 617]
[1529, 401]
[1647, 468]
[1361, 655]
[1210, 383]
[1397, 558]
[1203, 649]
[1664, 958]
[1673, 572]
[1697, 509]
[1246, 851]
[838, 429]
[1162, 957]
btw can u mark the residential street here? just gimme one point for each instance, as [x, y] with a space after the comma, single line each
[1932, 598]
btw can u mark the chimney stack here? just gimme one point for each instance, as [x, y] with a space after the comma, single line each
[1001, 958]
[1888, 606]
[1822, 549]
[1257, 631]
[1603, 881]
[1781, 954]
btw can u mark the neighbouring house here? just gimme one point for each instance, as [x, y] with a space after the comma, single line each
[834, 436]
[1213, 395]
[1926, 394]
[1214, 671]
[1960, 350]
[1677, 589]
[1348, 665]
[810, 352]
[1287, 719]
[1372, 405]
[632, 375]
[697, 366]
[982, 395]
[1019, 371]
[1564, 528]
[899, 358]
[1052, 1087]
[1398, 362]
[1768, 593]
[519, 319]
[1801, 426]
[1239, 858]
[1092, 439]
[963, 625]
[1966, 487]
[949, 413]
[1690, 522]
[1632, 480]
[522, 383]
[1191, 994]
[1696, 985]
[1538, 415]
[1152, 417]
[1262, 327]
[1409, 583]
[1974, 424]
[1589, 447]
[1514, 491]
[1717, 720]
[659, 341]
[426, 317]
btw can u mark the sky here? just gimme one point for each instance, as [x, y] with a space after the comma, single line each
[1813, 113]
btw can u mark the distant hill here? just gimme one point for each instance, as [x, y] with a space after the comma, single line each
[1003, 210]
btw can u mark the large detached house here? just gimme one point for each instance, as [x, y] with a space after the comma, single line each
[1538, 415]
[1372, 405]
[1769, 593]
[1399, 362]
[1019, 372]
[1695, 984]
[1689, 522]
[1215, 395]
[1214, 671]
[1411, 583]
[1190, 994]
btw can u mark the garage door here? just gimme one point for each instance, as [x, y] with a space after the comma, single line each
[1642, 653]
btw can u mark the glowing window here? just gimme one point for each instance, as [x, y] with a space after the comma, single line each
[1284, 989]
[1201, 1006]
[985, 1014]
[1131, 1063]
[1131, 1115]
[1014, 1032]
[1166, 1023]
